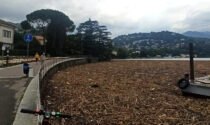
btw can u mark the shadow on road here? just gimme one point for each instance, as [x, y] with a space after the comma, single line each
[11, 93]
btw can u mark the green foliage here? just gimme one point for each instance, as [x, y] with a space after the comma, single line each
[25, 25]
[122, 53]
[19, 42]
[92, 39]
[44, 17]
[53, 25]
[20, 46]
[95, 39]
[73, 45]
[161, 43]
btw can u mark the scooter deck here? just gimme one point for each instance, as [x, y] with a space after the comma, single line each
[198, 90]
[201, 86]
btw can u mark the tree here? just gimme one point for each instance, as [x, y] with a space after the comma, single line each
[87, 31]
[53, 25]
[73, 45]
[20, 45]
[95, 39]
[122, 53]
[25, 25]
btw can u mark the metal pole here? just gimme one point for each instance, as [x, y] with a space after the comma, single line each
[191, 62]
[27, 50]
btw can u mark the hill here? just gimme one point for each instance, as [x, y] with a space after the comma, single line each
[163, 43]
[197, 34]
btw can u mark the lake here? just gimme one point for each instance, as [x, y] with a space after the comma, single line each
[175, 59]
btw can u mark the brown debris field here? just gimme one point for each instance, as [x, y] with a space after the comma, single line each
[126, 92]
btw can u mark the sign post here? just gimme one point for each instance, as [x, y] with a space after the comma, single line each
[28, 38]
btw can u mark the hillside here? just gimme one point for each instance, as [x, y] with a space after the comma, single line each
[197, 34]
[163, 43]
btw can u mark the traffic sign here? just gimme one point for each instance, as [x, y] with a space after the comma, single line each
[28, 37]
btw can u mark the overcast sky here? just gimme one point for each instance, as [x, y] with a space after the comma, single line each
[121, 16]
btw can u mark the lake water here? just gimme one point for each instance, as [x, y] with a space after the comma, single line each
[175, 59]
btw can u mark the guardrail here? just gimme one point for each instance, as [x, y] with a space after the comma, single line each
[52, 67]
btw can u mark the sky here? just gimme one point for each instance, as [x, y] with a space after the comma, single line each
[121, 16]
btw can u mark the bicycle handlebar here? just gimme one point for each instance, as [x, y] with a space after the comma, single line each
[45, 113]
[27, 111]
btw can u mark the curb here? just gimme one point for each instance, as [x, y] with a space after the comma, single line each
[29, 102]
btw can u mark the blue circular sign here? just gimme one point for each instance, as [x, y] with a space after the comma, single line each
[28, 37]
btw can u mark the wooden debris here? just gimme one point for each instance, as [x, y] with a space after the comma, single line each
[130, 92]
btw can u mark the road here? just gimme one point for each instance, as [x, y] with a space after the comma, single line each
[17, 71]
[11, 91]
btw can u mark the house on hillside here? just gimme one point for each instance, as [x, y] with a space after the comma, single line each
[6, 34]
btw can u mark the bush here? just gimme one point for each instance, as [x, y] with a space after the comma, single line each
[122, 53]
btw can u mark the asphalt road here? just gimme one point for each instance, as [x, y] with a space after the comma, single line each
[11, 92]
[17, 71]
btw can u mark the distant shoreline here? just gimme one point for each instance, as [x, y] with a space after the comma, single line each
[168, 59]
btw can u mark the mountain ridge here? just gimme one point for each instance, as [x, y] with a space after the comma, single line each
[162, 43]
[197, 34]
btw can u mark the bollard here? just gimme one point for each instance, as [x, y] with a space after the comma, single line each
[26, 68]
[7, 60]
[31, 72]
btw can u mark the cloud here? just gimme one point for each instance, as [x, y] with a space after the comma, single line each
[16, 10]
[199, 21]
[121, 16]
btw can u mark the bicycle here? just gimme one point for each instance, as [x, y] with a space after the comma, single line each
[47, 115]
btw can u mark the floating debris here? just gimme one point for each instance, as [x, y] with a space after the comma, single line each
[147, 99]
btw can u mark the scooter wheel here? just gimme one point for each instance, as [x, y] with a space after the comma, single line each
[183, 83]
